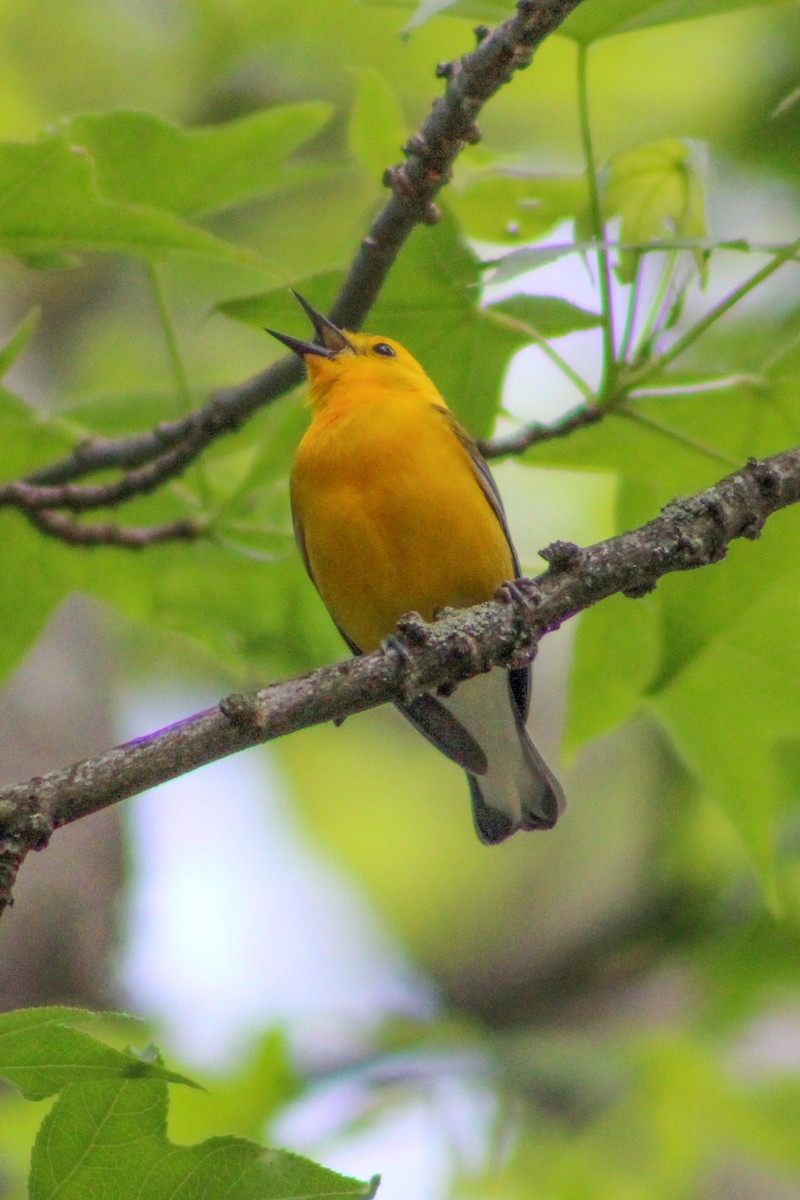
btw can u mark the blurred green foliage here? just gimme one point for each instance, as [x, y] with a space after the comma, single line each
[167, 171]
[106, 1133]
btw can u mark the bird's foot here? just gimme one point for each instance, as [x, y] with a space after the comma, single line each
[523, 595]
[411, 631]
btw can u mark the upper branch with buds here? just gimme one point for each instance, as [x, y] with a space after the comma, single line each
[52, 496]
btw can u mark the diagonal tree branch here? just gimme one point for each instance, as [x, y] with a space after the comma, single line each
[689, 533]
[151, 458]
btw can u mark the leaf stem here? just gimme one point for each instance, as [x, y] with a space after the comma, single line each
[719, 310]
[651, 321]
[175, 360]
[676, 435]
[596, 219]
[701, 388]
[544, 345]
[630, 315]
[170, 337]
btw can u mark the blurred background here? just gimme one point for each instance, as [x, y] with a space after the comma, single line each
[313, 929]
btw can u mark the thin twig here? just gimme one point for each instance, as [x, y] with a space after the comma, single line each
[534, 434]
[107, 533]
[225, 412]
[83, 497]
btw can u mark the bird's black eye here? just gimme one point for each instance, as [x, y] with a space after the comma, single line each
[385, 349]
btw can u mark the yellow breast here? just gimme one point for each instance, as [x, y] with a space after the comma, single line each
[391, 514]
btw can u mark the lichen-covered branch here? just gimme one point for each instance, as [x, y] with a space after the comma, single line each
[689, 533]
[147, 460]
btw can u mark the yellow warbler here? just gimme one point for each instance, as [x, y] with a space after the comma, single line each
[395, 511]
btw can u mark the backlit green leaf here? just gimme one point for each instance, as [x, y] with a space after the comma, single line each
[106, 1134]
[109, 1139]
[41, 1053]
[592, 21]
[734, 699]
[18, 340]
[141, 159]
[549, 316]
[377, 129]
[52, 204]
[655, 189]
[512, 207]
[617, 648]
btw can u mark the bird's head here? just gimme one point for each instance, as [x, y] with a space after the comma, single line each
[337, 356]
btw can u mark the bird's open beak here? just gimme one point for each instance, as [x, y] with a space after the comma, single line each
[330, 339]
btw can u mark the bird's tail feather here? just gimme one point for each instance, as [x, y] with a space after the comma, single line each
[540, 800]
[518, 790]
